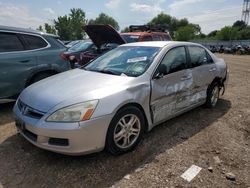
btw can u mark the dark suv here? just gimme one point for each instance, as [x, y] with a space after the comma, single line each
[27, 56]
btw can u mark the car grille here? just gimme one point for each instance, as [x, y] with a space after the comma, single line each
[28, 111]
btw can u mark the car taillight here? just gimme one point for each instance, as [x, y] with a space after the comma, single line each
[63, 56]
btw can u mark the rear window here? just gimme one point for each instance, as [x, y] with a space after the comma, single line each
[156, 38]
[130, 38]
[9, 42]
[34, 42]
[147, 38]
[166, 37]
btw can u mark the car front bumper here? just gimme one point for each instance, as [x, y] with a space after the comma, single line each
[65, 138]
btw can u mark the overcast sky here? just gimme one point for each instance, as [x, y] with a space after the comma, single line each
[210, 14]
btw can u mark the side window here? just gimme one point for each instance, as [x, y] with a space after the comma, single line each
[174, 60]
[146, 38]
[198, 56]
[34, 42]
[209, 58]
[9, 42]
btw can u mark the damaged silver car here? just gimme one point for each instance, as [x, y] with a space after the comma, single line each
[113, 100]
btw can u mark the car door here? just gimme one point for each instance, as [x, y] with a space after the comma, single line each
[203, 71]
[15, 64]
[170, 85]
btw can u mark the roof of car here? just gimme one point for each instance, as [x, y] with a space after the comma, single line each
[24, 30]
[159, 44]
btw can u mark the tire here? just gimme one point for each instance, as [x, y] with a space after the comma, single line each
[213, 94]
[130, 134]
[40, 76]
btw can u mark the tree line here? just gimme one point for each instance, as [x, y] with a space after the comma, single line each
[70, 27]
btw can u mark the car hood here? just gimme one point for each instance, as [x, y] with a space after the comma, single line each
[103, 34]
[69, 87]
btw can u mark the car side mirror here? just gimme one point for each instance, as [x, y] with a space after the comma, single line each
[159, 75]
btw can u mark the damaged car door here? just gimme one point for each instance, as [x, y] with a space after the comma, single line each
[203, 72]
[171, 85]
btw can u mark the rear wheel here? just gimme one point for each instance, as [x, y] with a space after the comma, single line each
[213, 94]
[125, 130]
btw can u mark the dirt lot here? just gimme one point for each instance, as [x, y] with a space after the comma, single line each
[217, 138]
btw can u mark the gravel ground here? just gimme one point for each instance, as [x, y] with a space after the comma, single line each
[217, 140]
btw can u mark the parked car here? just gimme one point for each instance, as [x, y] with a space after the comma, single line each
[27, 56]
[139, 33]
[106, 38]
[72, 54]
[110, 102]
[72, 43]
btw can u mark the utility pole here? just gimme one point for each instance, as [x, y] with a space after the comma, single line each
[246, 11]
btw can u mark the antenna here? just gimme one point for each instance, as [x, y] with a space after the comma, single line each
[246, 11]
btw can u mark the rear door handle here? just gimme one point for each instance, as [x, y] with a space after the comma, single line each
[186, 78]
[212, 69]
[25, 61]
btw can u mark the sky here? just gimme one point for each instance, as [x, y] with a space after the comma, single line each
[209, 14]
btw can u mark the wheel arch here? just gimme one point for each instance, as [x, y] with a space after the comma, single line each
[36, 73]
[137, 105]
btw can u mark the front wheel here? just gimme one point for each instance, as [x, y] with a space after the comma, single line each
[125, 130]
[213, 94]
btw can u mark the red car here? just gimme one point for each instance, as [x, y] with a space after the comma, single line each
[106, 38]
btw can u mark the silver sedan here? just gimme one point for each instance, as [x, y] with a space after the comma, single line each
[113, 100]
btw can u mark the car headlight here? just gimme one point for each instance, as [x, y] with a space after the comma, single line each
[74, 113]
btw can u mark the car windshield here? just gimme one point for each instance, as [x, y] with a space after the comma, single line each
[81, 46]
[130, 38]
[125, 61]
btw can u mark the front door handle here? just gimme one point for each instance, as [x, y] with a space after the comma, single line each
[25, 61]
[212, 69]
[186, 78]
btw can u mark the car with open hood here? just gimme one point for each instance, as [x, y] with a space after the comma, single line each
[72, 54]
[104, 37]
[112, 101]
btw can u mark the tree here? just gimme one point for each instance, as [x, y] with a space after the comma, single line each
[228, 33]
[174, 26]
[245, 33]
[240, 24]
[105, 19]
[77, 21]
[186, 33]
[212, 34]
[40, 28]
[161, 19]
[63, 27]
[49, 28]
[183, 22]
[125, 30]
[70, 27]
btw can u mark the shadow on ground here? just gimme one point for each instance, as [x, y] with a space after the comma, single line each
[23, 165]
[6, 113]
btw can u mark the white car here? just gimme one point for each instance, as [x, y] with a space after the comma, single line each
[110, 102]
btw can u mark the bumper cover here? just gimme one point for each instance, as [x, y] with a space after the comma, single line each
[82, 138]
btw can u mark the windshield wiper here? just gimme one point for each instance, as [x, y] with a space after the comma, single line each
[107, 72]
